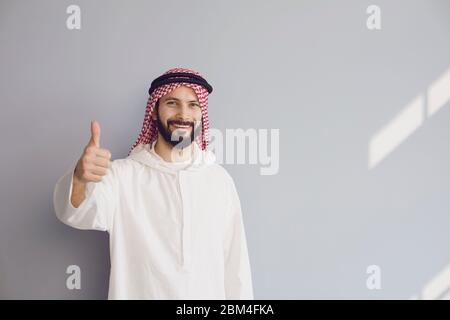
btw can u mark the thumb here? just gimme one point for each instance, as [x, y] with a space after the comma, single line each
[95, 133]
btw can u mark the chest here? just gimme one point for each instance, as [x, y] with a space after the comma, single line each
[170, 201]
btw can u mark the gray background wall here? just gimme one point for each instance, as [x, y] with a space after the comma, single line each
[310, 68]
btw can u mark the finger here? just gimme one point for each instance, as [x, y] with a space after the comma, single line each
[102, 162]
[104, 153]
[100, 171]
[94, 177]
[95, 134]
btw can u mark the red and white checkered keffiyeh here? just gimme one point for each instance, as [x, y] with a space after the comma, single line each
[149, 131]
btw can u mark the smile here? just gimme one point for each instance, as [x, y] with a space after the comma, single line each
[181, 126]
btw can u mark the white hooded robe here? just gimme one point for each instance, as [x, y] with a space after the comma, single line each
[175, 229]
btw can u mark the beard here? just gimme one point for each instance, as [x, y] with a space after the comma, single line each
[179, 137]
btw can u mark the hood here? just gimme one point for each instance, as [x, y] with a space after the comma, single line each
[145, 154]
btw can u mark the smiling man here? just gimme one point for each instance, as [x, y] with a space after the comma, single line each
[178, 117]
[173, 215]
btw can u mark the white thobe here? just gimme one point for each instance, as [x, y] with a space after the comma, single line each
[175, 229]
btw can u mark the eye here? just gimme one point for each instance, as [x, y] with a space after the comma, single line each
[194, 105]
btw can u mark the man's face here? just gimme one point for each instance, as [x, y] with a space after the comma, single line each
[179, 117]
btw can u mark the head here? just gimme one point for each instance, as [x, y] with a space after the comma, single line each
[179, 117]
[172, 98]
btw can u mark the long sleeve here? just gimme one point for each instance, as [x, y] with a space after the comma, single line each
[238, 278]
[97, 209]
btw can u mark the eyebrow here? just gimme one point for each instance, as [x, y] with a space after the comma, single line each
[172, 98]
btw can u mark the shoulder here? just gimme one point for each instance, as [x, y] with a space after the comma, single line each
[120, 163]
[221, 173]
[123, 166]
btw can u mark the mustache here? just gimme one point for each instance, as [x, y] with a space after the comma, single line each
[180, 122]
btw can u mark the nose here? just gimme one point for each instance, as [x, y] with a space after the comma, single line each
[185, 112]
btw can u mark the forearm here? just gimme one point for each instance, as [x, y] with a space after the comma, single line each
[78, 192]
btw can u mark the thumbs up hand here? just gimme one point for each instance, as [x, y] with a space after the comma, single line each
[95, 161]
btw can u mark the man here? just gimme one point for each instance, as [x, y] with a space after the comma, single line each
[173, 215]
